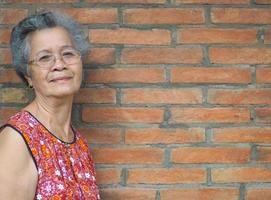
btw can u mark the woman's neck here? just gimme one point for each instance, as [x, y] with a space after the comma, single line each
[55, 114]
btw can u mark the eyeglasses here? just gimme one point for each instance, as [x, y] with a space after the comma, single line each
[46, 59]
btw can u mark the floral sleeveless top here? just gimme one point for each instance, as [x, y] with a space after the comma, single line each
[65, 170]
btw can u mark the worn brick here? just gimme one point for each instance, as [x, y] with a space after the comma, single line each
[258, 194]
[200, 193]
[242, 135]
[264, 154]
[263, 75]
[163, 16]
[164, 136]
[240, 96]
[92, 15]
[96, 95]
[128, 1]
[128, 194]
[241, 175]
[262, 2]
[161, 55]
[101, 56]
[9, 76]
[4, 36]
[13, 95]
[209, 115]
[210, 75]
[41, 1]
[6, 112]
[217, 36]
[166, 176]
[241, 15]
[161, 96]
[125, 75]
[267, 36]
[122, 115]
[128, 155]
[240, 55]
[210, 155]
[108, 176]
[263, 115]
[5, 56]
[130, 36]
[12, 15]
[213, 1]
[102, 135]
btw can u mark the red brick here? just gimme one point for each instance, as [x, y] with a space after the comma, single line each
[5, 56]
[263, 75]
[128, 194]
[4, 36]
[9, 76]
[102, 135]
[163, 16]
[241, 15]
[202, 194]
[209, 115]
[264, 154]
[128, 155]
[108, 176]
[5, 113]
[41, 1]
[210, 155]
[12, 16]
[240, 55]
[130, 36]
[267, 36]
[263, 2]
[92, 16]
[123, 115]
[242, 135]
[258, 194]
[164, 136]
[96, 95]
[213, 1]
[241, 175]
[162, 96]
[263, 115]
[126, 75]
[13, 95]
[215, 35]
[166, 176]
[101, 56]
[210, 75]
[240, 96]
[161, 55]
[128, 1]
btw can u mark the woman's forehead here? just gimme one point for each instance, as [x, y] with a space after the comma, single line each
[50, 39]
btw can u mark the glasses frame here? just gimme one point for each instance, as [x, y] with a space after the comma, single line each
[35, 62]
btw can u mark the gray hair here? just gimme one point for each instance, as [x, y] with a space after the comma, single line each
[19, 42]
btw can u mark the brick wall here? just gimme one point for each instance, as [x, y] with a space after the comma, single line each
[176, 95]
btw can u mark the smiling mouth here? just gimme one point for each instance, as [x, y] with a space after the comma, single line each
[66, 78]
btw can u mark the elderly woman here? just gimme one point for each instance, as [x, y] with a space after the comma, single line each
[42, 155]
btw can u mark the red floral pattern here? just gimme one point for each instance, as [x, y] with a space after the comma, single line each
[65, 170]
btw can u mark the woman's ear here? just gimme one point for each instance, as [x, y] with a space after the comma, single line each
[29, 80]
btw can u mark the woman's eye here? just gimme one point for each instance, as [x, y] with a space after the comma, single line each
[68, 54]
[45, 58]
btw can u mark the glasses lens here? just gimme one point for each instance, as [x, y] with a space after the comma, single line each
[70, 56]
[45, 60]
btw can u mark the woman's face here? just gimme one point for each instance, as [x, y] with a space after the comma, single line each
[60, 79]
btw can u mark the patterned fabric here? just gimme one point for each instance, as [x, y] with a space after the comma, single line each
[65, 170]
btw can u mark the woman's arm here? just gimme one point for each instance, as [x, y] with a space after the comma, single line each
[18, 173]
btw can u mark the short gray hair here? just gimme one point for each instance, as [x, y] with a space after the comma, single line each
[19, 36]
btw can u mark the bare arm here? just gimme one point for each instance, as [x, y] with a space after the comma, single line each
[18, 173]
